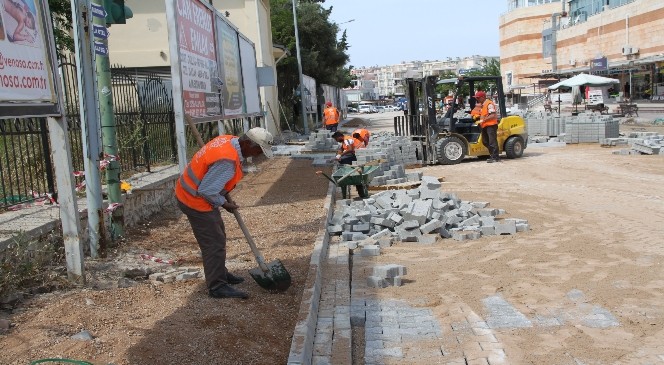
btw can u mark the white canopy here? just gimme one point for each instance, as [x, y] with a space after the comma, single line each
[584, 79]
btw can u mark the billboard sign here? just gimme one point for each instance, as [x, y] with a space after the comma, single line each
[27, 60]
[198, 58]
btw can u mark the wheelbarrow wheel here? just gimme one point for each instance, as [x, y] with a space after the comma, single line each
[364, 191]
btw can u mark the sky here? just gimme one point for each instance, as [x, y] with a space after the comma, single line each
[387, 32]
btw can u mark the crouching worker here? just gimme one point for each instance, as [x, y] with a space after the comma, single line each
[362, 135]
[204, 187]
[346, 153]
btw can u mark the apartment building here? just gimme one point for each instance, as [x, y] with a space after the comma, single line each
[388, 81]
[542, 41]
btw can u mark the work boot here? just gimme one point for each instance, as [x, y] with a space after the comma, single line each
[232, 279]
[227, 291]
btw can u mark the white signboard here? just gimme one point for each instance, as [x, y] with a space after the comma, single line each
[26, 66]
[249, 76]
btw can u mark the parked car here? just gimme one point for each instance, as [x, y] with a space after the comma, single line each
[352, 110]
[365, 109]
[391, 108]
[380, 109]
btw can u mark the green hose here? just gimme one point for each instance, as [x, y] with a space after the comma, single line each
[69, 361]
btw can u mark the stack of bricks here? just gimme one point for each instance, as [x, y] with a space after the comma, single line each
[590, 128]
[321, 140]
[422, 215]
[386, 275]
[395, 152]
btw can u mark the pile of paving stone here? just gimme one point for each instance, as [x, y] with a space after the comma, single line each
[320, 140]
[582, 128]
[422, 215]
[394, 152]
[640, 143]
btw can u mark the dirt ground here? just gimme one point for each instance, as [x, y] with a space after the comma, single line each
[595, 246]
[596, 219]
[177, 323]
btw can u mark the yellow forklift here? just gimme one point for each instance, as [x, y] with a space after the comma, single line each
[449, 138]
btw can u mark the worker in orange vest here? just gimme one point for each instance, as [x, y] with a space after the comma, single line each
[362, 135]
[487, 118]
[346, 153]
[331, 117]
[203, 187]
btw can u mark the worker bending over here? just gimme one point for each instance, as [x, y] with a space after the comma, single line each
[346, 152]
[362, 135]
[203, 187]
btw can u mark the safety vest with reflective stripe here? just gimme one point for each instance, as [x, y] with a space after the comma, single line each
[488, 107]
[331, 115]
[351, 141]
[365, 136]
[186, 187]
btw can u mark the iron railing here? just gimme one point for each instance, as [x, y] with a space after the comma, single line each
[145, 129]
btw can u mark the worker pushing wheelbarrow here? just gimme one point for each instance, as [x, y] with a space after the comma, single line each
[347, 175]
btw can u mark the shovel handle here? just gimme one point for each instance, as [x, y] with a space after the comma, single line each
[259, 257]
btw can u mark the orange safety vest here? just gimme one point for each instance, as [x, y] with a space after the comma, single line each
[331, 115]
[186, 187]
[485, 111]
[351, 141]
[365, 136]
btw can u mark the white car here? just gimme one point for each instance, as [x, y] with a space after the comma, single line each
[365, 109]
[391, 108]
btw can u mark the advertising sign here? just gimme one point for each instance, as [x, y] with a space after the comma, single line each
[232, 90]
[599, 64]
[198, 61]
[26, 66]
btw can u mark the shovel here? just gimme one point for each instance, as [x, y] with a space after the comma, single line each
[272, 276]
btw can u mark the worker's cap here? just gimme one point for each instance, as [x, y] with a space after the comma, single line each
[329, 103]
[263, 138]
[480, 94]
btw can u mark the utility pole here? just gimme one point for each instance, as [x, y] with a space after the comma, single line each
[89, 123]
[108, 132]
[299, 68]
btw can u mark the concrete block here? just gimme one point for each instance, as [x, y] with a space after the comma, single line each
[335, 230]
[358, 237]
[382, 234]
[367, 242]
[487, 221]
[427, 239]
[361, 227]
[409, 225]
[396, 218]
[522, 227]
[385, 242]
[473, 220]
[488, 230]
[347, 236]
[370, 250]
[443, 232]
[487, 212]
[505, 227]
[431, 226]
[376, 282]
[395, 281]
[352, 245]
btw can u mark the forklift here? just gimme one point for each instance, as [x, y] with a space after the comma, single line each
[449, 138]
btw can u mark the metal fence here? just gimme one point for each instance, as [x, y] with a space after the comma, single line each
[145, 129]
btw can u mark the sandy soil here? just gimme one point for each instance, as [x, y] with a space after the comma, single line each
[595, 244]
[282, 204]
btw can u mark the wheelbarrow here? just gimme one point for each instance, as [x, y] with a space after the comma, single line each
[348, 175]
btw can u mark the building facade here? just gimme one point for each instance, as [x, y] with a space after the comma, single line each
[381, 82]
[143, 41]
[621, 39]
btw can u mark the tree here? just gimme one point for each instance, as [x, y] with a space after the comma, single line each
[62, 25]
[323, 57]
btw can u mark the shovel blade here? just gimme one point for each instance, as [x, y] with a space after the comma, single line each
[276, 278]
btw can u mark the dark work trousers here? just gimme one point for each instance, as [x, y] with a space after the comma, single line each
[348, 160]
[210, 234]
[332, 127]
[490, 140]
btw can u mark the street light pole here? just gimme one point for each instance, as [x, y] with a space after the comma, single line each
[299, 69]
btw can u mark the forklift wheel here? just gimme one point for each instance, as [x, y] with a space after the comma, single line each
[450, 150]
[514, 147]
